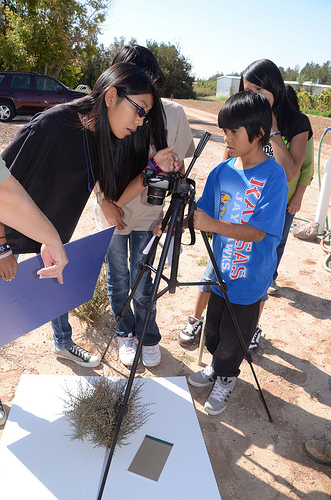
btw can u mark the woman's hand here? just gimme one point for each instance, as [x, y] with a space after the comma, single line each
[113, 214]
[8, 268]
[55, 259]
[296, 200]
[157, 228]
[167, 160]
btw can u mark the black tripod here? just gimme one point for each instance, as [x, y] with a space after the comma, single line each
[183, 194]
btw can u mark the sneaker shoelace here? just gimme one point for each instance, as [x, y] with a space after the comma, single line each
[208, 371]
[129, 343]
[256, 334]
[220, 393]
[191, 328]
[80, 352]
[150, 350]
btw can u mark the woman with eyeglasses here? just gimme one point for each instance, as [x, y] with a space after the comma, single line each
[134, 224]
[63, 151]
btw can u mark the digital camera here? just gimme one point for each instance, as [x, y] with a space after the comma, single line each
[159, 184]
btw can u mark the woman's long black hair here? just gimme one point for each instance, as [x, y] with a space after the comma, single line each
[266, 74]
[120, 163]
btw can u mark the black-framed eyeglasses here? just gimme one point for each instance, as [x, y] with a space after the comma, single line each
[141, 112]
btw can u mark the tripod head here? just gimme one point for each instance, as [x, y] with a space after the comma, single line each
[160, 185]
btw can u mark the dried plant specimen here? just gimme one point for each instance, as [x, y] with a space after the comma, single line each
[92, 410]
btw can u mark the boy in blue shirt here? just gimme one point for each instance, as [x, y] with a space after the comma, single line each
[243, 205]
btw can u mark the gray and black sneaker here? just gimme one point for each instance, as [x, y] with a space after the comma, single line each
[3, 414]
[78, 355]
[219, 396]
[191, 332]
[255, 340]
[204, 378]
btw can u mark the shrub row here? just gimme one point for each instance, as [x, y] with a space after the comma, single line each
[317, 102]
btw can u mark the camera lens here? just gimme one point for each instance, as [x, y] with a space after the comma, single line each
[155, 196]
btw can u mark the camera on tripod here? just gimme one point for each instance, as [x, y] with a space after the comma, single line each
[159, 184]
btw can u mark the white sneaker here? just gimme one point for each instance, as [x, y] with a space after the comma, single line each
[191, 332]
[78, 355]
[127, 349]
[151, 355]
[273, 288]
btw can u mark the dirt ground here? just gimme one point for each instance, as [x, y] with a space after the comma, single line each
[251, 457]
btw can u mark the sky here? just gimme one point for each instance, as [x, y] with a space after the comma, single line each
[219, 36]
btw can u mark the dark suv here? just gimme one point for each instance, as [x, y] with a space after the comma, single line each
[28, 93]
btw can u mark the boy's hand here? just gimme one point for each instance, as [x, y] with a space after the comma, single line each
[203, 221]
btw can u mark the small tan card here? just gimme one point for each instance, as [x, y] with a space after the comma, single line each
[151, 458]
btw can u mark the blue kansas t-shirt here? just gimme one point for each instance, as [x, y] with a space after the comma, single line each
[256, 196]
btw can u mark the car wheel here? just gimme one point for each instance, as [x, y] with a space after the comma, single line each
[7, 112]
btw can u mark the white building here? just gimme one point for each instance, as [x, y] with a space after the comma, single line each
[228, 85]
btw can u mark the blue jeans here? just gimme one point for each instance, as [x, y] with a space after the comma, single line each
[62, 330]
[120, 279]
[280, 249]
[206, 277]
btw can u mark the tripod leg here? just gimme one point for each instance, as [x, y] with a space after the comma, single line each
[223, 289]
[176, 252]
[123, 407]
[144, 266]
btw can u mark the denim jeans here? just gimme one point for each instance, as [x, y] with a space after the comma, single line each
[120, 279]
[280, 249]
[206, 277]
[62, 330]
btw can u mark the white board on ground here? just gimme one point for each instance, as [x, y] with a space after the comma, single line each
[37, 455]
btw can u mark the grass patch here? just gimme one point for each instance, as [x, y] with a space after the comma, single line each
[95, 308]
[221, 98]
[183, 356]
[203, 261]
[326, 114]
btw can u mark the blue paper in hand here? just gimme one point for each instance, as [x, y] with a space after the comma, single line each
[28, 302]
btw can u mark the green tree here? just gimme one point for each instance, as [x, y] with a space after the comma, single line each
[204, 88]
[176, 68]
[290, 74]
[324, 74]
[50, 36]
[309, 72]
[102, 59]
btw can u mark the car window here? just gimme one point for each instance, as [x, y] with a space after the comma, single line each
[2, 78]
[20, 82]
[44, 83]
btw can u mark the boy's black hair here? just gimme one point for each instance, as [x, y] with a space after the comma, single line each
[250, 110]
